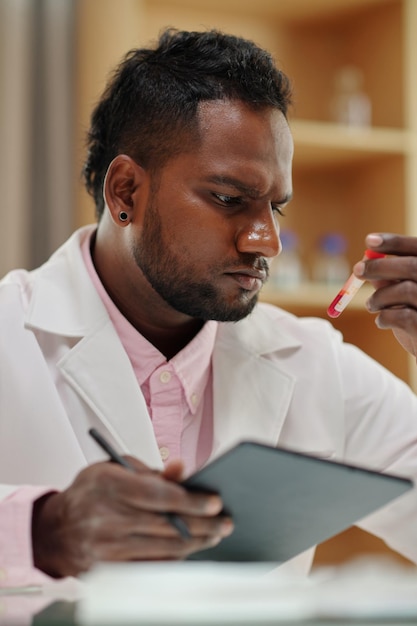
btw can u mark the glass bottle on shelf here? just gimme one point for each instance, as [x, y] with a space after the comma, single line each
[350, 105]
[331, 266]
[287, 269]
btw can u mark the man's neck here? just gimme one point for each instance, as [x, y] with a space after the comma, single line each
[166, 329]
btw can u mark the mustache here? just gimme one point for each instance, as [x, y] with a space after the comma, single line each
[250, 261]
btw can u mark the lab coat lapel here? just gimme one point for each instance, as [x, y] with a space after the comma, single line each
[251, 392]
[99, 370]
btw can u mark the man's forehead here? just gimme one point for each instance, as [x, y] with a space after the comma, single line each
[234, 125]
[236, 118]
[231, 109]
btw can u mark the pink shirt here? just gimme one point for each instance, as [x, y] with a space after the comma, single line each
[178, 394]
[16, 564]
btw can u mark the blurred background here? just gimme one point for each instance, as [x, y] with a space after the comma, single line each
[352, 65]
[37, 121]
[350, 62]
[353, 68]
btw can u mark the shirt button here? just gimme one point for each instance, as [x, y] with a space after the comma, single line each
[164, 452]
[165, 377]
[194, 399]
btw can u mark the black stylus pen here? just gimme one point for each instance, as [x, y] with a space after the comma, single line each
[172, 518]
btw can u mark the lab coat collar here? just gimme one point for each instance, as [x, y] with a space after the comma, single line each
[75, 308]
[255, 335]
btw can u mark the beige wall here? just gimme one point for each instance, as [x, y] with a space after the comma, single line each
[105, 31]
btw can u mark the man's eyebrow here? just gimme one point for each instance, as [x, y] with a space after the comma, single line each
[286, 198]
[252, 192]
[230, 181]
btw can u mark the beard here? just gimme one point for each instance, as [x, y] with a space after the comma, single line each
[171, 277]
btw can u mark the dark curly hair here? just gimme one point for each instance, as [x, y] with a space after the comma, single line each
[149, 108]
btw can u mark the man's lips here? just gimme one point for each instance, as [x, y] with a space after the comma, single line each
[248, 279]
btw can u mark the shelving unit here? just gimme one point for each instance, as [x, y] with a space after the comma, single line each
[328, 144]
[348, 180]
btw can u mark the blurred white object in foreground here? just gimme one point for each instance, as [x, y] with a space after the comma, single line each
[209, 593]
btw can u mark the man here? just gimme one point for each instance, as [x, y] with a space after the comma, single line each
[148, 328]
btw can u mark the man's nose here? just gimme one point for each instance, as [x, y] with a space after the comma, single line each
[260, 235]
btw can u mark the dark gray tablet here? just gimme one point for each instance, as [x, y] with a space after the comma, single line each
[283, 502]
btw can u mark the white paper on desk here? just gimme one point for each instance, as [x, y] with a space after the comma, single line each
[208, 593]
[376, 588]
[189, 593]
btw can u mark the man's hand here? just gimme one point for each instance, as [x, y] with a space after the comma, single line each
[395, 282]
[112, 514]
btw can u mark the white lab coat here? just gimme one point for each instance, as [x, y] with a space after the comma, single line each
[277, 379]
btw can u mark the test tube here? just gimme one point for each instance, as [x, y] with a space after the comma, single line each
[349, 289]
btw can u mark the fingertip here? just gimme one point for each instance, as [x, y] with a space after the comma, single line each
[359, 269]
[174, 470]
[214, 541]
[374, 240]
[214, 505]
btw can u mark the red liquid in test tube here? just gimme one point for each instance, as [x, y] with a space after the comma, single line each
[349, 289]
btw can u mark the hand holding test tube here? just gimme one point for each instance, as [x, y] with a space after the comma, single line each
[349, 289]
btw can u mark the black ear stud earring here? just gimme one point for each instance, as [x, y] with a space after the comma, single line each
[123, 216]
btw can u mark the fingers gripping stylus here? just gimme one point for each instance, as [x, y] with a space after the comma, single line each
[175, 521]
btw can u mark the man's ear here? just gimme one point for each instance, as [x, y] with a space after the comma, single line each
[122, 185]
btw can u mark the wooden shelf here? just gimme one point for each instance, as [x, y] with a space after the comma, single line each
[328, 144]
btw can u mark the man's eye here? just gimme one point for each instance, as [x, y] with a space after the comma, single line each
[227, 200]
[278, 209]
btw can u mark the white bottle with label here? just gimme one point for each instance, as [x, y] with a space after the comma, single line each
[350, 105]
[331, 266]
[287, 269]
